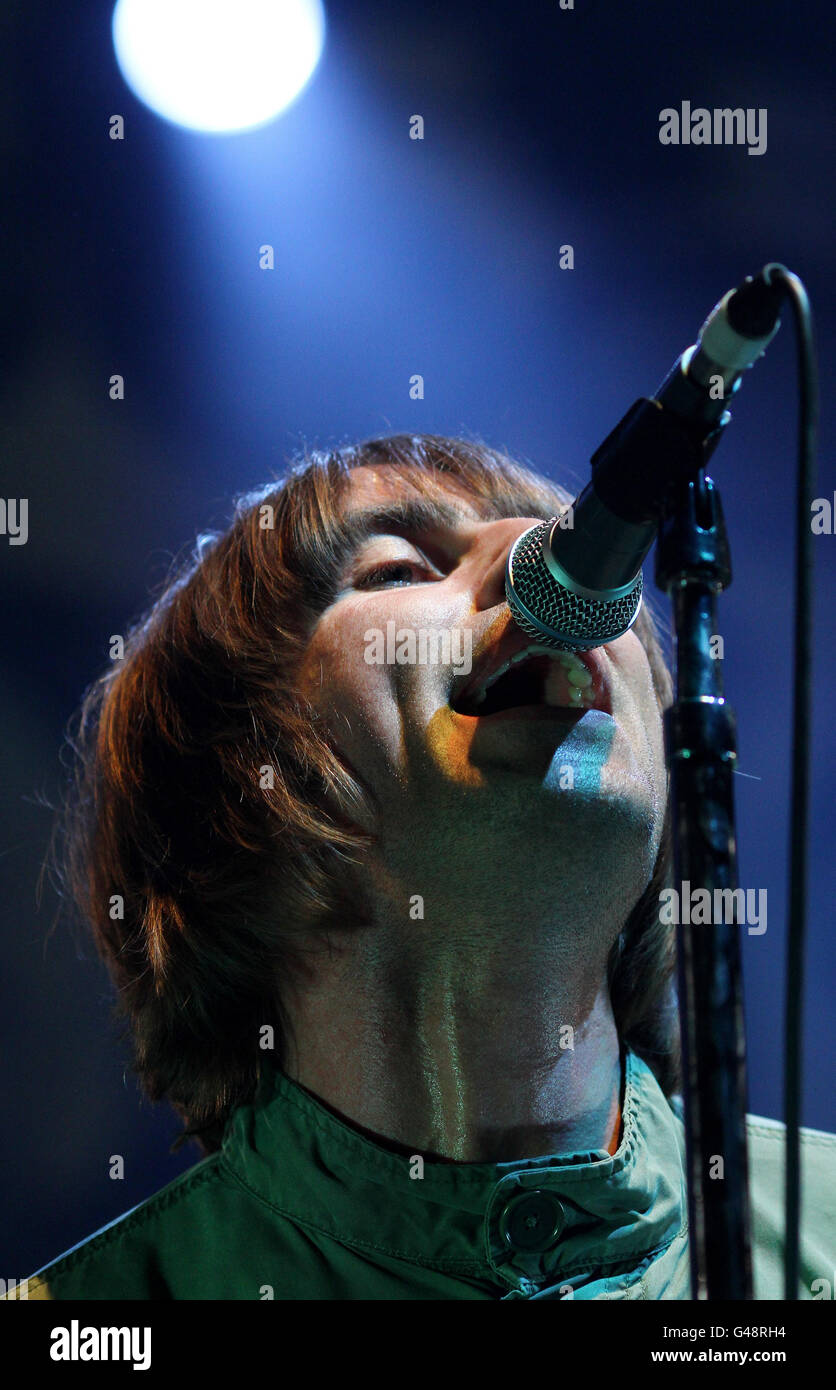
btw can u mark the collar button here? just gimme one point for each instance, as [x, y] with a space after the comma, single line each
[532, 1221]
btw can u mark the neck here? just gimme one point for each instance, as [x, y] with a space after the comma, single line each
[467, 1045]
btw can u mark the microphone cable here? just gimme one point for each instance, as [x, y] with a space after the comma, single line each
[800, 782]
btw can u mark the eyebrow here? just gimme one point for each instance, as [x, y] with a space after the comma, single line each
[411, 515]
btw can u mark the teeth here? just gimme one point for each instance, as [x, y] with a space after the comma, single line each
[483, 689]
[579, 682]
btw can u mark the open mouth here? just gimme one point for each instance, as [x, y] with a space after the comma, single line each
[538, 679]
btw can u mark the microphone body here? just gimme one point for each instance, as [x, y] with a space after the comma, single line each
[575, 581]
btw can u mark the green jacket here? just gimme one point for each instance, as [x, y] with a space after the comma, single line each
[298, 1204]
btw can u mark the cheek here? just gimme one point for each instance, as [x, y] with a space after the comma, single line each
[353, 697]
[646, 717]
[629, 655]
[651, 718]
[655, 735]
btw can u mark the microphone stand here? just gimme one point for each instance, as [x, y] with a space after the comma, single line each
[693, 566]
[665, 442]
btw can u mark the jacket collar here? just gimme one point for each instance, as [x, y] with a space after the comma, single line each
[516, 1225]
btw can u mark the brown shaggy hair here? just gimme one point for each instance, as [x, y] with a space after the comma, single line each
[204, 887]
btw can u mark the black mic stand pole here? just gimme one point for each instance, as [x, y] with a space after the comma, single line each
[693, 566]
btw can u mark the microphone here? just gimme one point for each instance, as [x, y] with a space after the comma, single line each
[575, 581]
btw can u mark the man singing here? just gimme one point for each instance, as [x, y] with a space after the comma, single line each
[385, 927]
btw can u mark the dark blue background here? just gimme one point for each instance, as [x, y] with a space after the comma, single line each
[393, 257]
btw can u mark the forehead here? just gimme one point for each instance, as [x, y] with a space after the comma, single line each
[377, 487]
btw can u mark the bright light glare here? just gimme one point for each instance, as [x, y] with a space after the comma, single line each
[218, 65]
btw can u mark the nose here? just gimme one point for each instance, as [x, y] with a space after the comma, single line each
[490, 555]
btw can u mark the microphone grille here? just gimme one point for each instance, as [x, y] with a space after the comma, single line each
[552, 614]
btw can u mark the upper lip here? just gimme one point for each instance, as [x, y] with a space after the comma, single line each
[494, 654]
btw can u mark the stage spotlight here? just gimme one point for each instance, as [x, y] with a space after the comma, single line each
[218, 65]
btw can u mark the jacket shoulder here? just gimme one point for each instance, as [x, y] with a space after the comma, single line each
[146, 1252]
[766, 1141]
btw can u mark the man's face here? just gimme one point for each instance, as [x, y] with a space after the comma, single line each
[554, 763]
